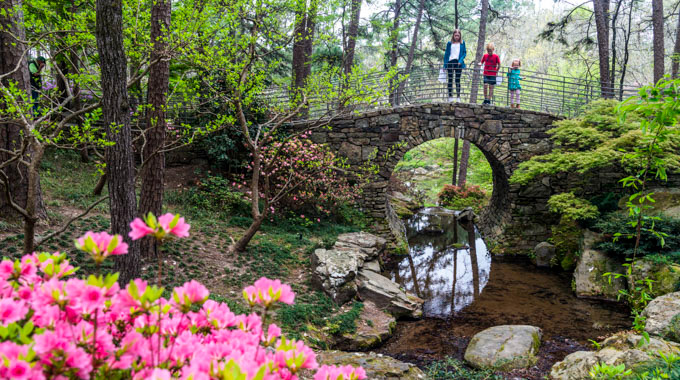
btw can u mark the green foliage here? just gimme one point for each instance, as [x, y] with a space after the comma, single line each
[453, 369]
[602, 371]
[596, 139]
[661, 367]
[623, 244]
[458, 198]
[310, 308]
[572, 207]
[606, 202]
[566, 237]
[214, 194]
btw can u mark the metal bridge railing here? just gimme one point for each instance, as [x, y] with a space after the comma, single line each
[553, 94]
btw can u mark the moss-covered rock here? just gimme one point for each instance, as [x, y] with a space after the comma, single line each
[666, 277]
[504, 348]
[662, 316]
[567, 238]
[625, 348]
[373, 327]
[377, 367]
[589, 278]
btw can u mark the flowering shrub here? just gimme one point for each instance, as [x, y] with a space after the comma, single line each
[302, 175]
[56, 326]
[458, 198]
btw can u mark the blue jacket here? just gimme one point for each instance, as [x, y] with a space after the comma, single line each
[461, 56]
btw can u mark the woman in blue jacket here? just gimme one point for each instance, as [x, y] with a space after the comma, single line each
[454, 62]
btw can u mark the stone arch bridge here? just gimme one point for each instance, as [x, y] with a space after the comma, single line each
[506, 137]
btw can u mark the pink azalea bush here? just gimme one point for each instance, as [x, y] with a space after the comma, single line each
[303, 175]
[54, 325]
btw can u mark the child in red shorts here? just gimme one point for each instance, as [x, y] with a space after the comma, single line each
[491, 64]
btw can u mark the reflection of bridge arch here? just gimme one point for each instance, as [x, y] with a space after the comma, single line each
[505, 136]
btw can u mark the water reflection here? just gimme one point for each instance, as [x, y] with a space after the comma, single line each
[443, 267]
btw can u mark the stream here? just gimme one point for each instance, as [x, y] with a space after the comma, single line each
[466, 290]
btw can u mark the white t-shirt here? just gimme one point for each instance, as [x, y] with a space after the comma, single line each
[455, 51]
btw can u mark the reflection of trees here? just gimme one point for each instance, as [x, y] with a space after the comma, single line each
[444, 269]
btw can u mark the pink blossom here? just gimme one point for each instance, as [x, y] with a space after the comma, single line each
[19, 370]
[101, 245]
[139, 229]
[190, 293]
[266, 291]
[180, 228]
[340, 373]
[12, 311]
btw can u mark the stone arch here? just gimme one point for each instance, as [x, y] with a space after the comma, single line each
[505, 136]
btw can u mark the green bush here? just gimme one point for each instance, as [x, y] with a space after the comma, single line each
[458, 198]
[614, 223]
[214, 193]
[566, 236]
[572, 207]
[452, 369]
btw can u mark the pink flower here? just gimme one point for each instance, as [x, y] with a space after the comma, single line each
[159, 374]
[12, 311]
[19, 370]
[167, 224]
[266, 291]
[175, 225]
[340, 373]
[92, 298]
[190, 293]
[139, 229]
[101, 245]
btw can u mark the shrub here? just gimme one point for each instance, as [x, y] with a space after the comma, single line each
[572, 207]
[614, 223]
[53, 325]
[452, 369]
[458, 198]
[214, 193]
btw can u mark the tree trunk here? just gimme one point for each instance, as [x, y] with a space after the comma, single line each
[100, 185]
[394, 50]
[258, 217]
[464, 158]
[615, 16]
[153, 170]
[303, 42]
[116, 116]
[12, 134]
[675, 65]
[455, 13]
[626, 52]
[601, 9]
[479, 53]
[657, 23]
[455, 161]
[412, 48]
[351, 37]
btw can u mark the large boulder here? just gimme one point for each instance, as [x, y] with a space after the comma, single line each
[663, 316]
[504, 348]
[543, 254]
[387, 295]
[374, 327]
[666, 277]
[334, 273]
[589, 279]
[377, 366]
[625, 348]
[335, 269]
[368, 246]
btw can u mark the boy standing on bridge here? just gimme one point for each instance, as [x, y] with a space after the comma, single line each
[491, 64]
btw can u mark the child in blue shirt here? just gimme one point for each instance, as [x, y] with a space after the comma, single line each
[513, 83]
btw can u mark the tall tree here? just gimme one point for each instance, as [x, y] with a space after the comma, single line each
[675, 65]
[394, 47]
[350, 36]
[116, 116]
[303, 41]
[601, 9]
[614, 28]
[153, 158]
[412, 48]
[479, 53]
[626, 51]
[657, 25]
[19, 179]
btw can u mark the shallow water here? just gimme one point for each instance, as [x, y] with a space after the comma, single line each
[466, 290]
